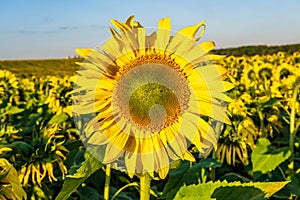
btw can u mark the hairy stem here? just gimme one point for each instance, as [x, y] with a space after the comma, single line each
[213, 170]
[107, 182]
[292, 129]
[262, 125]
[145, 186]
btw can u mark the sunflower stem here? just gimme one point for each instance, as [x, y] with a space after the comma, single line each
[262, 126]
[292, 130]
[145, 182]
[213, 170]
[107, 182]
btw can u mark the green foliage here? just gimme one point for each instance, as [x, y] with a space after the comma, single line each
[57, 119]
[35, 132]
[258, 50]
[72, 182]
[67, 67]
[230, 191]
[266, 158]
[294, 185]
[187, 174]
[12, 110]
[49, 67]
[248, 193]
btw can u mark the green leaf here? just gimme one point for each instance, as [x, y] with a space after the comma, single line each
[249, 193]
[265, 158]
[2, 192]
[270, 103]
[14, 110]
[57, 119]
[175, 180]
[269, 188]
[295, 185]
[88, 193]
[193, 192]
[186, 174]
[210, 163]
[175, 164]
[21, 147]
[232, 176]
[72, 182]
[206, 190]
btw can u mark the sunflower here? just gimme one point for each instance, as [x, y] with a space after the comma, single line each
[229, 152]
[59, 98]
[8, 87]
[48, 153]
[9, 78]
[238, 107]
[248, 77]
[140, 100]
[34, 173]
[37, 155]
[234, 142]
[8, 133]
[265, 72]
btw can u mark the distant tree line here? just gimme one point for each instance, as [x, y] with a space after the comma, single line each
[257, 50]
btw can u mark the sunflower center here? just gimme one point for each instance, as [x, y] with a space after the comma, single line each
[265, 73]
[251, 75]
[151, 96]
[153, 104]
[284, 73]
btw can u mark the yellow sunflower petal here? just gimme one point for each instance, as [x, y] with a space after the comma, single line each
[112, 152]
[163, 33]
[113, 32]
[161, 160]
[188, 156]
[191, 31]
[131, 162]
[130, 21]
[141, 40]
[189, 127]
[120, 25]
[84, 52]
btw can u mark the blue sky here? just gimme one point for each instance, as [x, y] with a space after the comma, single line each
[34, 29]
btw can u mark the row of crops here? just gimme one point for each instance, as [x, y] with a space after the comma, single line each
[42, 157]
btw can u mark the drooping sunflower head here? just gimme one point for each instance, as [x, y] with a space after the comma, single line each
[146, 96]
[283, 71]
[59, 97]
[233, 144]
[265, 73]
[37, 155]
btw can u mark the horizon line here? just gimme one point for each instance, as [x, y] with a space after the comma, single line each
[221, 48]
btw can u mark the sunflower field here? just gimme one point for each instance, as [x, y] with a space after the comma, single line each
[258, 153]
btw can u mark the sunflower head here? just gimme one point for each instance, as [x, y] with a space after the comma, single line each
[37, 154]
[233, 144]
[59, 97]
[251, 75]
[265, 73]
[142, 98]
[284, 73]
[8, 87]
